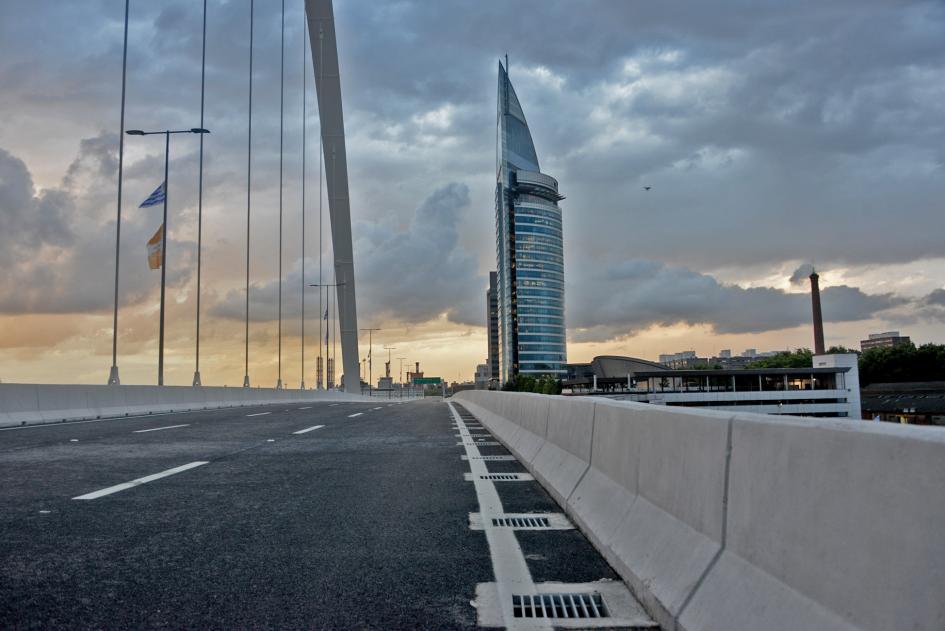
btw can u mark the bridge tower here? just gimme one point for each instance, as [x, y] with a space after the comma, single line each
[321, 29]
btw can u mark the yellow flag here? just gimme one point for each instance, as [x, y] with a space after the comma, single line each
[154, 248]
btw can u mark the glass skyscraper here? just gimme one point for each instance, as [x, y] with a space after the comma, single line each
[529, 250]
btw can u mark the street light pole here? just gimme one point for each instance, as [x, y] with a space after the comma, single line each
[371, 356]
[167, 151]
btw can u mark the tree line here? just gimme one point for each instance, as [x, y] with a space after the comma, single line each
[895, 364]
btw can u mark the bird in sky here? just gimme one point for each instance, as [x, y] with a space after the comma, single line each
[646, 188]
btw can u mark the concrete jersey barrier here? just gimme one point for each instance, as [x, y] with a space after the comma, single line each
[720, 521]
[29, 404]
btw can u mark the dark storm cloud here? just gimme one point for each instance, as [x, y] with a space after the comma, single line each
[770, 132]
[936, 298]
[56, 257]
[406, 276]
[29, 221]
[635, 294]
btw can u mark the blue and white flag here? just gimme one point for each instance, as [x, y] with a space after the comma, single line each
[155, 198]
[326, 314]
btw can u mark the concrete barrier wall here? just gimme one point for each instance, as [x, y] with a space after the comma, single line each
[27, 404]
[745, 521]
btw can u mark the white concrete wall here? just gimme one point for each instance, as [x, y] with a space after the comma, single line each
[27, 404]
[721, 521]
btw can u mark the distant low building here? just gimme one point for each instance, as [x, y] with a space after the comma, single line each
[887, 339]
[605, 373]
[684, 359]
[912, 403]
[831, 387]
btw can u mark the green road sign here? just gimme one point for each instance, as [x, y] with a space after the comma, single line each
[423, 380]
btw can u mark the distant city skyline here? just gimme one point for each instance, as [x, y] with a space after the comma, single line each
[764, 149]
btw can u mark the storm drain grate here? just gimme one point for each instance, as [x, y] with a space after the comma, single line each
[504, 458]
[504, 476]
[562, 606]
[521, 522]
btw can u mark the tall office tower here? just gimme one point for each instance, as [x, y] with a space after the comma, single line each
[529, 252]
[492, 322]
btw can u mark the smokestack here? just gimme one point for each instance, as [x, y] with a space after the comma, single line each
[818, 317]
[417, 372]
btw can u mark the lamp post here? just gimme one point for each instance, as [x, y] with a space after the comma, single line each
[370, 356]
[400, 377]
[320, 285]
[167, 149]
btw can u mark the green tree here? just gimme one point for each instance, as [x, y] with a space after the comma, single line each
[528, 383]
[799, 358]
[903, 362]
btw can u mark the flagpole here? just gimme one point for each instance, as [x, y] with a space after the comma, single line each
[203, 77]
[281, 139]
[113, 379]
[249, 174]
[167, 149]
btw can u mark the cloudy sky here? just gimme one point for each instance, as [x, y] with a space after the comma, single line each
[774, 135]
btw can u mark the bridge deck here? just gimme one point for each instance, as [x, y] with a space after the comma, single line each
[257, 517]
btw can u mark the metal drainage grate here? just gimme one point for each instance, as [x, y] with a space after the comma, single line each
[504, 458]
[559, 606]
[502, 476]
[521, 522]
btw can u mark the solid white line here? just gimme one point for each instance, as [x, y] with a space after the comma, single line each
[129, 485]
[355, 414]
[259, 414]
[508, 561]
[157, 429]
[308, 429]
[307, 407]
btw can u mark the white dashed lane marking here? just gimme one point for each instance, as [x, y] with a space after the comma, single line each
[355, 414]
[259, 414]
[308, 429]
[157, 429]
[139, 481]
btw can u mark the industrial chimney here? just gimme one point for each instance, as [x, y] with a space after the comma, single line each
[818, 317]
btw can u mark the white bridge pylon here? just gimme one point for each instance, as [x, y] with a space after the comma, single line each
[321, 29]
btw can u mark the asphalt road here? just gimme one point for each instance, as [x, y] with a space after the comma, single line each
[360, 524]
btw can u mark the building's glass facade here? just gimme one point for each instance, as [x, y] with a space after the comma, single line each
[529, 250]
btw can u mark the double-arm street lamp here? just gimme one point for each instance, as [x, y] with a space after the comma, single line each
[167, 147]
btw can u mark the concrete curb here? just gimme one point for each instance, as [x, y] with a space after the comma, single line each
[746, 521]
